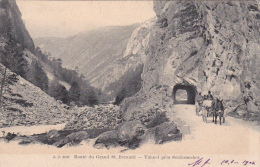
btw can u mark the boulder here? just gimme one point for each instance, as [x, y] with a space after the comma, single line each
[73, 139]
[130, 133]
[4, 122]
[52, 133]
[157, 120]
[52, 136]
[10, 136]
[107, 139]
[130, 130]
[25, 140]
[241, 112]
[149, 137]
[162, 133]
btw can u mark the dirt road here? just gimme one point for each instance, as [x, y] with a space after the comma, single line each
[234, 136]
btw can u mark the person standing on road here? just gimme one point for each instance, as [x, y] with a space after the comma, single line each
[199, 103]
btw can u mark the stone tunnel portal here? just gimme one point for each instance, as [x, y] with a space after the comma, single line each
[190, 94]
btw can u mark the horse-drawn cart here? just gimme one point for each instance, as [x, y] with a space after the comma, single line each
[212, 108]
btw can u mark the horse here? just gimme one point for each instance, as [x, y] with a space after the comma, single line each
[218, 110]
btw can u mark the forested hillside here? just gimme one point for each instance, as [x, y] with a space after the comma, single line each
[17, 53]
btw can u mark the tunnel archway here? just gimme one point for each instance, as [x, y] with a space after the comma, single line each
[191, 94]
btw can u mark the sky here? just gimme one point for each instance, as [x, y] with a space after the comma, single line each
[66, 18]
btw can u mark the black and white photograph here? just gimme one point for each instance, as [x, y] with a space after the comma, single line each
[130, 83]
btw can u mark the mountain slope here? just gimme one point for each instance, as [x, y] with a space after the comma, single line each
[22, 102]
[42, 77]
[118, 53]
[17, 53]
[92, 51]
[25, 104]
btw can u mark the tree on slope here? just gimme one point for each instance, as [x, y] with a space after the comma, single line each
[37, 76]
[6, 79]
[59, 92]
[74, 92]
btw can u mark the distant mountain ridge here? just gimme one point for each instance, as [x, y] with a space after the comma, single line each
[108, 57]
[91, 51]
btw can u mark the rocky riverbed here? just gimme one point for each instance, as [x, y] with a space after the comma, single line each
[99, 117]
[105, 126]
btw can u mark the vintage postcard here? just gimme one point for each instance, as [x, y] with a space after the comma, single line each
[169, 83]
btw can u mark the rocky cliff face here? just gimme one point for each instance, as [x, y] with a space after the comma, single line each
[211, 46]
[130, 63]
[16, 46]
[12, 26]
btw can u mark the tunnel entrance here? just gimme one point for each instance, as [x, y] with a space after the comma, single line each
[184, 94]
[181, 95]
